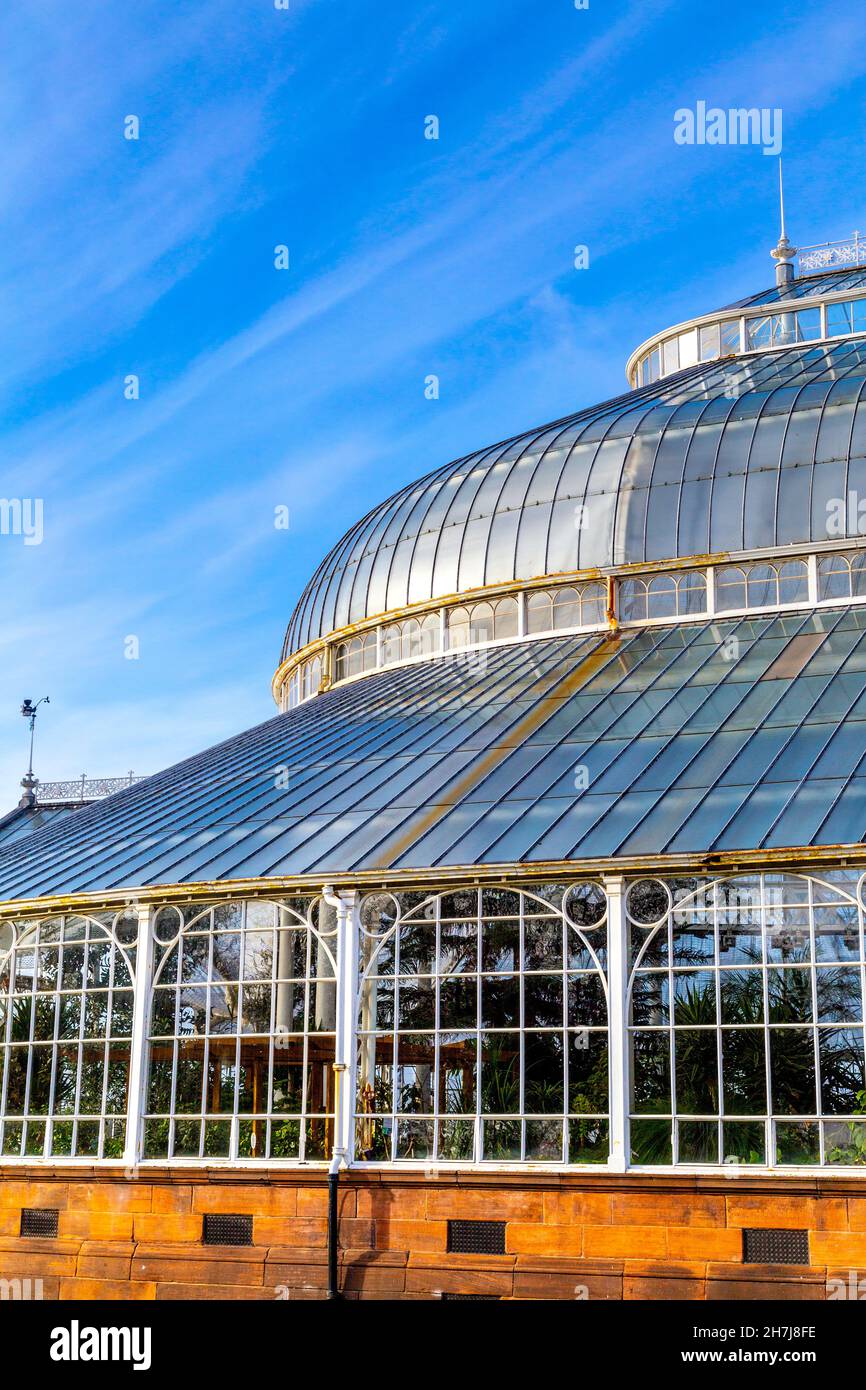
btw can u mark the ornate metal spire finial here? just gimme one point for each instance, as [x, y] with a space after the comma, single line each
[28, 781]
[783, 253]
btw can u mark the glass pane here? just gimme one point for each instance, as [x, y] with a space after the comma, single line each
[797, 1143]
[709, 342]
[792, 1060]
[698, 1141]
[744, 1071]
[651, 1081]
[651, 1142]
[744, 1143]
[588, 1141]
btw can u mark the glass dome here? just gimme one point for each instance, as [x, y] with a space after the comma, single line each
[813, 308]
[737, 454]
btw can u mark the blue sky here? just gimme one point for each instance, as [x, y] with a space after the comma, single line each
[305, 388]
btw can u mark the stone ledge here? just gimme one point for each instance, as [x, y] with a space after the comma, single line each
[291, 1254]
[195, 1293]
[563, 1264]
[786, 1274]
[393, 1258]
[39, 1245]
[216, 1254]
[666, 1269]
[440, 1259]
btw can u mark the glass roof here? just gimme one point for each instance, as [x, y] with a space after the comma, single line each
[21, 822]
[728, 455]
[807, 286]
[660, 740]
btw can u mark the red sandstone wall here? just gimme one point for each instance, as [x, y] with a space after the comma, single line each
[567, 1236]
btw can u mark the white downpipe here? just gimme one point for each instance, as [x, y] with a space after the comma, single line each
[617, 984]
[136, 1100]
[348, 930]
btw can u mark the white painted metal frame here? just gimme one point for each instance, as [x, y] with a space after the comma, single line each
[822, 895]
[817, 894]
[383, 1046]
[115, 999]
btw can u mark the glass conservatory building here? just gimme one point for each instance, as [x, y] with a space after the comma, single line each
[539, 904]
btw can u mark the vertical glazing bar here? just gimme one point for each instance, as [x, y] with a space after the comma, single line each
[135, 1101]
[617, 985]
[768, 1038]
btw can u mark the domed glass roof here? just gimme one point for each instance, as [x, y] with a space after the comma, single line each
[742, 453]
[807, 287]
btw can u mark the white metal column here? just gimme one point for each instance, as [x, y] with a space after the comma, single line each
[617, 984]
[135, 1106]
[812, 578]
[348, 934]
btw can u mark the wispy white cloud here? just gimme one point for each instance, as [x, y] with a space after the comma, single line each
[258, 390]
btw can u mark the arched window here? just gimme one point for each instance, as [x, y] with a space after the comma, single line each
[431, 633]
[458, 627]
[730, 588]
[692, 592]
[242, 1031]
[416, 637]
[483, 1026]
[481, 623]
[633, 600]
[66, 1007]
[565, 608]
[746, 1021]
[505, 618]
[420, 637]
[539, 611]
[793, 581]
[353, 657]
[761, 585]
[392, 645]
[310, 678]
[858, 574]
[663, 596]
[834, 577]
[293, 689]
[347, 659]
[842, 576]
[410, 639]
[593, 604]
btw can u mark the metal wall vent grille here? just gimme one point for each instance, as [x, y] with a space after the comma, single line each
[476, 1237]
[227, 1230]
[774, 1247]
[39, 1221]
[472, 1297]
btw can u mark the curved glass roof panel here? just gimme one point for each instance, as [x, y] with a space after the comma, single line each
[651, 470]
[806, 287]
[690, 744]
